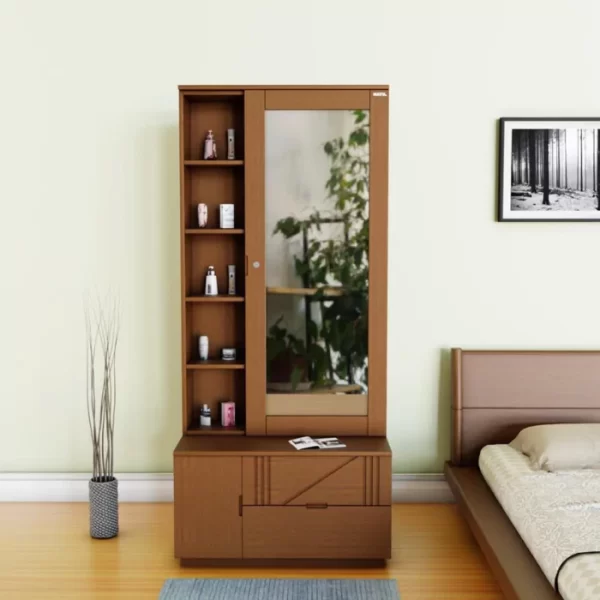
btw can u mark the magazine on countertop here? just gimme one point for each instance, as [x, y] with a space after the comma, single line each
[308, 443]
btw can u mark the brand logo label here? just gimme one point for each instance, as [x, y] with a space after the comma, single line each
[380, 94]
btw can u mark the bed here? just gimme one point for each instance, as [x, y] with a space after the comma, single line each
[495, 395]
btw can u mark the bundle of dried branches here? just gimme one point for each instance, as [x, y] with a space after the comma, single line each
[102, 333]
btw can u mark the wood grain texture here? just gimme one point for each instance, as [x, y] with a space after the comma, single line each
[183, 219]
[277, 446]
[316, 99]
[456, 367]
[342, 487]
[256, 303]
[385, 480]
[205, 231]
[47, 553]
[207, 519]
[341, 532]
[316, 404]
[517, 572]
[378, 263]
[213, 163]
[292, 476]
[215, 364]
[324, 426]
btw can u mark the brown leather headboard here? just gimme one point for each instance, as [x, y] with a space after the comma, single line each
[495, 394]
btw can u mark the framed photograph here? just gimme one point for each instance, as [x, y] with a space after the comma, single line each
[549, 170]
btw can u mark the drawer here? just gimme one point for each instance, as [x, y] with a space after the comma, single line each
[300, 532]
[324, 479]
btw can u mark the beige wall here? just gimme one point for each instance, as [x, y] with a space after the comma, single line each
[89, 193]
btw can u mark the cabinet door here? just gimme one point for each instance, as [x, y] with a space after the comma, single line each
[316, 287]
[208, 523]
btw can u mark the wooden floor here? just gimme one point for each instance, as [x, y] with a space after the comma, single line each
[45, 552]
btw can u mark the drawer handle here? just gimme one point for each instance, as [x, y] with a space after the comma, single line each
[316, 506]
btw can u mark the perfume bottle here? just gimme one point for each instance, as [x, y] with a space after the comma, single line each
[205, 420]
[210, 286]
[210, 146]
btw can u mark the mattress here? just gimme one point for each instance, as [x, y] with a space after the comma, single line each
[556, 514]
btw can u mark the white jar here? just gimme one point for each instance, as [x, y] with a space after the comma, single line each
[203, 347]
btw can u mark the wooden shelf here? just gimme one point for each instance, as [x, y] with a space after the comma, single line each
[328, 292]
[352, 388]
[199, 231]
[221, 298]
[213, 163]
[216, 430]
[215, 364]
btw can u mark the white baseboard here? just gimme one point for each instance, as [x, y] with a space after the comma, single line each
[158, 487]
[73, 487]
[420, 488]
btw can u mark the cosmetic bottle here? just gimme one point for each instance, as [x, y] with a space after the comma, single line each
[210, 285]
[205, 420]
[210, 146]
[202, 215]
[231, 280]
[231, 144]
[203, 347]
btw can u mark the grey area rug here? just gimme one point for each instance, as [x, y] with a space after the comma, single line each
[279, 589]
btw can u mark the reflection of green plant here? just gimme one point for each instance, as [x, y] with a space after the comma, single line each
[288, 359]
[338, 349]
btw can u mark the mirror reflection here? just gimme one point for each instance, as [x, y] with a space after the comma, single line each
[317, 251]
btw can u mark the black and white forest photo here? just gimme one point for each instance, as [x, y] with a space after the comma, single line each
[550, 170]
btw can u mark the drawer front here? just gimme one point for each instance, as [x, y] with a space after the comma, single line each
[327, 479]
[328, 533]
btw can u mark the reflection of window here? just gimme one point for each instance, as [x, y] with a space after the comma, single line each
[318, 335]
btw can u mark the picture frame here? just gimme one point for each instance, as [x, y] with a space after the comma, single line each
[549, 169]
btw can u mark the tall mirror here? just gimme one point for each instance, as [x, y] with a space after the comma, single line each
[317, 255]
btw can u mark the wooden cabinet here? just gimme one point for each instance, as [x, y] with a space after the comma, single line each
[308, 319]
[253, 498]
[208, 520]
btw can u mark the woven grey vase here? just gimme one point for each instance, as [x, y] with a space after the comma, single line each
[104, 508]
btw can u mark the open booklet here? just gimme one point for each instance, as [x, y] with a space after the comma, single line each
[308, 443]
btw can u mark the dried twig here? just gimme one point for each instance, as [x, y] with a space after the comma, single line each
[102, 330]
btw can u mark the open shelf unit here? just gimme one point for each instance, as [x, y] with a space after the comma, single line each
[221, 318]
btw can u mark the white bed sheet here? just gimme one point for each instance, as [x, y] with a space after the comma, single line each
[556, 514]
